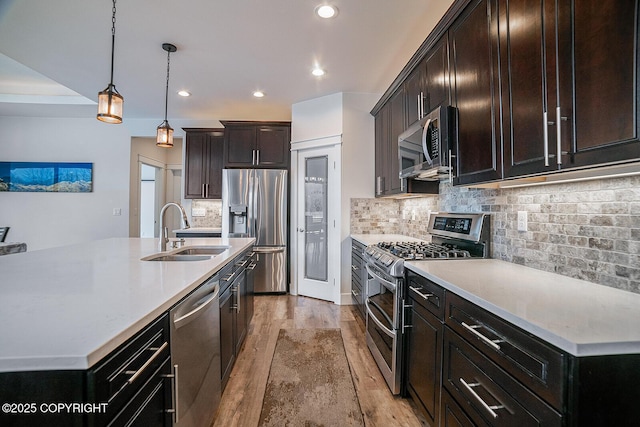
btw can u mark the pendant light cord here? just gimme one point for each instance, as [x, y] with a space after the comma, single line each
[166, 94]
[113, 38]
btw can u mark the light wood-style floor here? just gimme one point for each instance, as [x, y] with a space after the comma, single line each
[242, 398]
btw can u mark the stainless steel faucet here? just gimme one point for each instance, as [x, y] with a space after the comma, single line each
[164, 232]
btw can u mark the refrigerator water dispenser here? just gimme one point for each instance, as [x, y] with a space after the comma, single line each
[238, 219]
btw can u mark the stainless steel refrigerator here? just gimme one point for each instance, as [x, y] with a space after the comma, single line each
[254, 204]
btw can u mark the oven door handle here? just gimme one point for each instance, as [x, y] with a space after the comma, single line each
[373, 317]
[387, 284]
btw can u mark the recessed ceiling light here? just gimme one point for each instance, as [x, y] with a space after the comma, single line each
[326, 11]
[317, 71]
[258, 94]
[184, 93]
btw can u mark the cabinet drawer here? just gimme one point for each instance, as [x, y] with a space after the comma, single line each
[149, 406]
[356, 294]
[123, 373]
[426, 293]
[489, 395]
[534, 363]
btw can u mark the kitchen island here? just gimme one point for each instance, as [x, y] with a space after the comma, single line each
[66, 308]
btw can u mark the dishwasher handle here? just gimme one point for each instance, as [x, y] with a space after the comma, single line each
[200, 308]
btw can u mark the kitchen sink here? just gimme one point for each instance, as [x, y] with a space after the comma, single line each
[176, 257]
[203, 250]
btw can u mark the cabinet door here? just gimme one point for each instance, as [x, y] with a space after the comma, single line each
[240, 289]
[239, 146]
[425, 362]
[382, 142]
[227, 347]
[203, 164]
[215, 143]
[528, 55]
[398, 125]
[474, 50]
[195, 165]
[416, 93]
[437, 76]
[273, 147]
[451, 414]
[605, 82]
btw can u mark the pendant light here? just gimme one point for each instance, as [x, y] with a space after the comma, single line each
[109, 100]
[164, 136]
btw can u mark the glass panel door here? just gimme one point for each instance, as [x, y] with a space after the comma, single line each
[315, 218]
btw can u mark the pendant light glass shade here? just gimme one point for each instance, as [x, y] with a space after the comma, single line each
[110, 102]
[110, 105]
[164, 134]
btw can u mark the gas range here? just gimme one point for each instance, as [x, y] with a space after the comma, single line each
[453, 236]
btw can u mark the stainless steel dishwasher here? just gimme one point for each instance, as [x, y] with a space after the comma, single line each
[195, 354]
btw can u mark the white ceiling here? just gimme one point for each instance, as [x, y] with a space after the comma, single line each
[226, 50]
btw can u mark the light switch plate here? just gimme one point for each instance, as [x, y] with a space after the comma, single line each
[198, 211]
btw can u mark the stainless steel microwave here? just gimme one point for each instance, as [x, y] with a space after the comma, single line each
[424, 149]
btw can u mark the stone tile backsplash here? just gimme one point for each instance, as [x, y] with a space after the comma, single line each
[213, 217]
[588, 230]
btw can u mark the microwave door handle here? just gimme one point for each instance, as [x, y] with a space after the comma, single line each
[425, 150]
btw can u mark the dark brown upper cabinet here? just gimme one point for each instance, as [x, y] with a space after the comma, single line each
[257, 144]
[427, 87]
[475, 93]
[576, 70]
[383, 150]
[398, 125]
[389, 124]
[203, 163]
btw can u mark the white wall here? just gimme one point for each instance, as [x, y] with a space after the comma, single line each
[44, 220]
[343, 115]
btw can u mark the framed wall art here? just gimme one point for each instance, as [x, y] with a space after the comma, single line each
[46, 177]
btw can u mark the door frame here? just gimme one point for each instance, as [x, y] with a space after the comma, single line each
[332, 147]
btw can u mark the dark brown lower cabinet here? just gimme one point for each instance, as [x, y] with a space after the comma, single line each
[130, 386]
[358, 276]
[488, 394]
[236, 310]
[451, 415]
[425, 362]
[227, 342]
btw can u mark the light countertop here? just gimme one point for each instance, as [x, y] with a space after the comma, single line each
[196, 230]
[372, 239]
[579, 317]
[68, 307]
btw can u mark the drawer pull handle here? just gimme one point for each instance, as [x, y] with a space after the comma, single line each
[490, 409]
[417, 291]
[136, 374]
[473, 328]
[174, 393]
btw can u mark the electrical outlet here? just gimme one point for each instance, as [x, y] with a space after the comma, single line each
[117, 211]
[522, 221]
[413, 215]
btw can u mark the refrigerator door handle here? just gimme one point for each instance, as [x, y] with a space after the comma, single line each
[263, 250]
